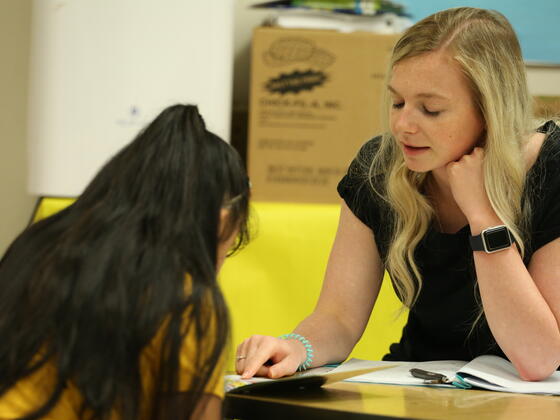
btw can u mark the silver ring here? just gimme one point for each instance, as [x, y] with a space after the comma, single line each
[238, 358]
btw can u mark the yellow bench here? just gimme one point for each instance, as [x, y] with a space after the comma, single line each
[275, 281]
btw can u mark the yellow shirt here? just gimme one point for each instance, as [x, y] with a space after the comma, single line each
[31, 392]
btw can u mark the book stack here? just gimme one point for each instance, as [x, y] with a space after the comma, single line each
[290, 14]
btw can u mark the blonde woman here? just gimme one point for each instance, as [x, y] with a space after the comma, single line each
[458, 201]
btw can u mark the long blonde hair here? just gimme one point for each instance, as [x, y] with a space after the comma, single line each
[484, 45]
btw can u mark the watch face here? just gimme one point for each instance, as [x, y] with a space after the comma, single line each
[496, 239]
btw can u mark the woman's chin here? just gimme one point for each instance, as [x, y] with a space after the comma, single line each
[416, 167]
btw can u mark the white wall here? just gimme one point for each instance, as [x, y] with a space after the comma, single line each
[543, 80]
[15, 204]
[101, 70]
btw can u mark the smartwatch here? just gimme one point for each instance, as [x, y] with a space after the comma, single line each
[493, 239]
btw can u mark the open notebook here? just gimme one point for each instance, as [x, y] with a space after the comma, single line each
[486, 372]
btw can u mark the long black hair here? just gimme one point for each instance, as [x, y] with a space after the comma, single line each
[88, 288]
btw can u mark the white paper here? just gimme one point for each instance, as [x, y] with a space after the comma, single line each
[400, 375]
[487, 372]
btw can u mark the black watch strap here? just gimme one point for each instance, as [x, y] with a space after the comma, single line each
[476, 243]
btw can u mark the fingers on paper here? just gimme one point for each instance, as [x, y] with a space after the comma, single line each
[286, 366]
[255, 354]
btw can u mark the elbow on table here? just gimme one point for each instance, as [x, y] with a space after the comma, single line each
[538, 370]
[536, 363]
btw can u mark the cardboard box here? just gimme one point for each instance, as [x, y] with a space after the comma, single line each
[315, 98]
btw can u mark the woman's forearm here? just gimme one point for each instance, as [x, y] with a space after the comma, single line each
[331, 339]
[522, 322]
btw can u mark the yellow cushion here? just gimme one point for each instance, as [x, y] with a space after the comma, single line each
[273, 283]
[49, 206]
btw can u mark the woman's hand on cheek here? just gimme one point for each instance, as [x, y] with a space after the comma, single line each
[466, 180]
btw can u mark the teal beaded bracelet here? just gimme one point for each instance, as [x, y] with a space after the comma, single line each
[308, 349]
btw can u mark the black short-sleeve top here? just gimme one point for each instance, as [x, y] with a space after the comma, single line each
[440, 323]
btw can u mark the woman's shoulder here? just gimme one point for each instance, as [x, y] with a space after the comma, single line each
[543, 189]
[369, 148]
[549, 127]
[359, 168]
[551, 130]
[543, 177]
[359, 188]
[548, 151]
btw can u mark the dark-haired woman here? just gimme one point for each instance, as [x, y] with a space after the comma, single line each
[110, 309]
